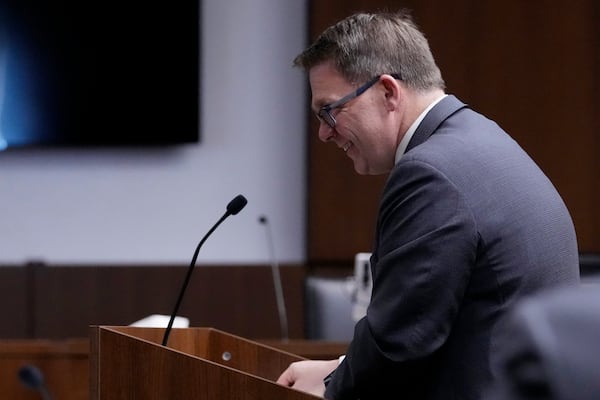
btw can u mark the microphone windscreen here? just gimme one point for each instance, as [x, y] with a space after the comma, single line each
[31, 377]
[236, 205]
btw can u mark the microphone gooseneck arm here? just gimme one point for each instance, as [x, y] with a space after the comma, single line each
[233, 208]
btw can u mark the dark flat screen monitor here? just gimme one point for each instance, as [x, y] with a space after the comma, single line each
[108, 73]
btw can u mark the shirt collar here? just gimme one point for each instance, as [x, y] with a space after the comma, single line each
[412, 129]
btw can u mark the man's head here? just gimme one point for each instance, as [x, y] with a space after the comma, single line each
[366, 74]
[362, 46]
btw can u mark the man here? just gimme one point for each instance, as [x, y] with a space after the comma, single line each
[467, 225]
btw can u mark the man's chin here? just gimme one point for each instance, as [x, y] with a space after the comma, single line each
[360, 168]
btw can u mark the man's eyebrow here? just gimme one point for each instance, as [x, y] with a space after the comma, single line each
[318, 106]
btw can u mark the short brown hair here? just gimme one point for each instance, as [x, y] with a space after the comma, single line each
[365, 45]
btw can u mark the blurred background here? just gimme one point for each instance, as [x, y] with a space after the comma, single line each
[103, 233]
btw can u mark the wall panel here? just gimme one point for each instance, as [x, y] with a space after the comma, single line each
[66, 300]
[15, 307]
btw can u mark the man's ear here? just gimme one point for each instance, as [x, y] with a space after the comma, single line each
[392, 90]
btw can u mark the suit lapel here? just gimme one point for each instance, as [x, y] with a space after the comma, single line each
[438, 114]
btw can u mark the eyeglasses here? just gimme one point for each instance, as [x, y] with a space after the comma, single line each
[325, 111]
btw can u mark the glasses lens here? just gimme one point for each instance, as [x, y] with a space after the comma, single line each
[326, 116]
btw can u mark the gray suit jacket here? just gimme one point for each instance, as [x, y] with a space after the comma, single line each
[468, 225]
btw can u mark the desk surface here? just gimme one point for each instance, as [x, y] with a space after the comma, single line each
[313, 349]
[64, 365]
[44, 348]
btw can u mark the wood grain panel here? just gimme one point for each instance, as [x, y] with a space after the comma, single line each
[15, 307]
[63, 365]
[68, 299]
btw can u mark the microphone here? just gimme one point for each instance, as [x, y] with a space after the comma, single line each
[33, 378]
[234, 207]
[276, 280]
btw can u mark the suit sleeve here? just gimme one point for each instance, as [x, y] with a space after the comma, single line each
[425, 245]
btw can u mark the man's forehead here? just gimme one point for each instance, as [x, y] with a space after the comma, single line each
[327, 85]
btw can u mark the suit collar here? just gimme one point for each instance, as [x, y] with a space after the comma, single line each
[434, 118]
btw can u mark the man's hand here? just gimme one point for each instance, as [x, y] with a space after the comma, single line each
[308, 375]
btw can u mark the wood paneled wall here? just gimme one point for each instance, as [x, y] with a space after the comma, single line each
[58, 302]
[534, 67]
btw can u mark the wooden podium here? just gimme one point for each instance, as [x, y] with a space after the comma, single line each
[199, 363]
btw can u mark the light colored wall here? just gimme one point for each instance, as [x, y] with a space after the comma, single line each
[153, 206]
